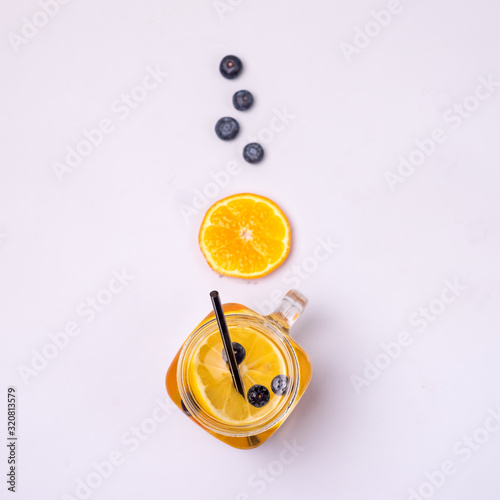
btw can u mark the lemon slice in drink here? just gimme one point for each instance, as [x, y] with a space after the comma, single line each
[211, 383]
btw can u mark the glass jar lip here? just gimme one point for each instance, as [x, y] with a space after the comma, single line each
[280, 412]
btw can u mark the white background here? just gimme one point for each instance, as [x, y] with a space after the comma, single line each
[61, 240]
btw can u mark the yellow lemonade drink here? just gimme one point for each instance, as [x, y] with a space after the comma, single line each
[211, 383]
[274, 369]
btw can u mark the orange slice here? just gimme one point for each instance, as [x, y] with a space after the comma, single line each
[245, 236]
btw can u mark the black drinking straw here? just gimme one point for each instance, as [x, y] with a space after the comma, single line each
[226, 340]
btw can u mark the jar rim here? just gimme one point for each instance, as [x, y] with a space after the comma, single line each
[262, 424]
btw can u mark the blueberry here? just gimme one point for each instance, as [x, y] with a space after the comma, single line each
[227, 128]
[239, 353]
[230, 67]
[253, 152]
[242, 100]
[279, 385]
[258, 396]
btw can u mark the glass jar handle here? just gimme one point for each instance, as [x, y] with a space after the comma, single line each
[289, 309]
